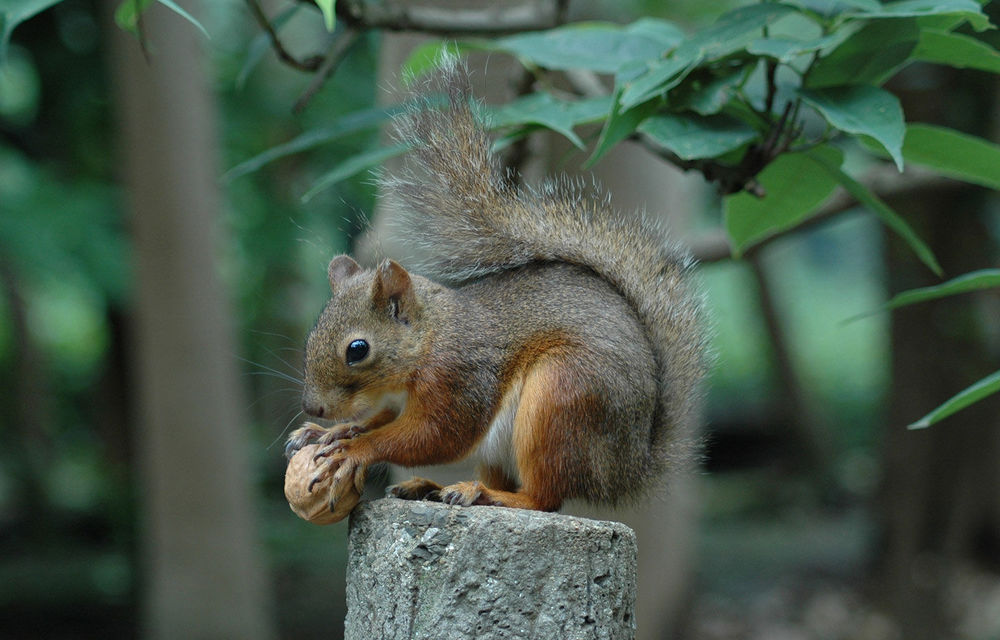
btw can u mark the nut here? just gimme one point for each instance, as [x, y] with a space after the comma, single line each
[316, 506]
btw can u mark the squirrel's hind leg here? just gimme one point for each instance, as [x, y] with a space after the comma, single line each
[546, 440]
[494, 477]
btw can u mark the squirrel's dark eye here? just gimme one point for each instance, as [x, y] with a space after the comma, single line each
[356, 351]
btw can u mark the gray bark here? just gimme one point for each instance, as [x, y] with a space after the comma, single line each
[428, 570]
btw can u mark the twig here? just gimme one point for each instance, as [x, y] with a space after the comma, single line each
[338, 51]
[772, 87]
[308, 65]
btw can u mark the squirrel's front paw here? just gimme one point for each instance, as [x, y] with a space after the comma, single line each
[301, 437]
[348, 474]
[344, 461]
[312, 433]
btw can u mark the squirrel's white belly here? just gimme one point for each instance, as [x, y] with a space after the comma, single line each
[496, 449]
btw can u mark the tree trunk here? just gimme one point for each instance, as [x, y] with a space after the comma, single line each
[202, 570]
[938, 498]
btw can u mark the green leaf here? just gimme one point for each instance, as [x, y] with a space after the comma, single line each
[598, 46]
[706, 98]
[940, 23]
[869, 56]
[427, 56]
[329, 10]
[351, 123]
[967, 9]
[128, 12]
[353, 166]
[13, 13]
[618, 126]
[505, 140]
[956, 50]
[733, 31]
[693, 137]
[170, 4]
[795, 188]
[666, 33]
[660, 76]
[862, 110]
[831, 8]
[785, 50]
[953, 154]
[965, 283]
[889, 217]
[974, 281]
[985, 387]
[559, 115]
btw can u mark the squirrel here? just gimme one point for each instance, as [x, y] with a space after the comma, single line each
[559, 342]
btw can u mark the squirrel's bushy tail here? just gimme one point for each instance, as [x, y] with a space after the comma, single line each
[475, 221]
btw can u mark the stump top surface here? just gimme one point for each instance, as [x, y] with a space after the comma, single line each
[427, 513]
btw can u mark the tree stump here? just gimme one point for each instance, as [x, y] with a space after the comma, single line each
[428, 570]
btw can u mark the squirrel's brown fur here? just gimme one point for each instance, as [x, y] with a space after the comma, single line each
[565, 350]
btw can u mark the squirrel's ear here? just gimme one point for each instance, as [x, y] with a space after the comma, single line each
[341, 268]
[394, 289]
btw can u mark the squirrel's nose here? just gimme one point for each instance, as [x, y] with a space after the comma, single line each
[313, 409]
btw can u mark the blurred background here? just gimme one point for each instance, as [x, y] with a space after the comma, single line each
[153, 312]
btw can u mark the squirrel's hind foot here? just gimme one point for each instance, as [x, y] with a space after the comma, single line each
[415, 489]
[471, 493]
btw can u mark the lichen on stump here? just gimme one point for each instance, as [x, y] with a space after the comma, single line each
[428, 570]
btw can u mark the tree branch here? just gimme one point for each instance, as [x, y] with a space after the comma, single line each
[475, 18]
[359, 16]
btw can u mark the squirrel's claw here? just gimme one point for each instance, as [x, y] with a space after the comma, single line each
[301, 437]
[329, 449]
[326, 468]
[349, 472]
